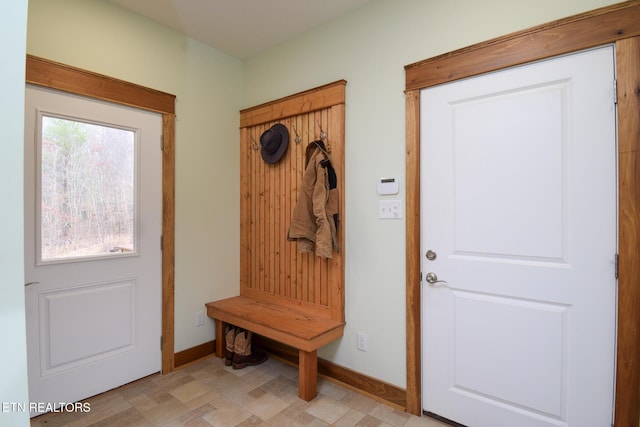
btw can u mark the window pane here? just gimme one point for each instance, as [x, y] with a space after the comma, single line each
[87, 189]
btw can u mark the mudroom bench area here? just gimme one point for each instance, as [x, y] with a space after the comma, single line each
[291, 286]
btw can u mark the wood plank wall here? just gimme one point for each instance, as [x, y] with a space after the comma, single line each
[271, 267]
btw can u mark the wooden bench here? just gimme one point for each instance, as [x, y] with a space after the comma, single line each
[294, 328]
[293, 298]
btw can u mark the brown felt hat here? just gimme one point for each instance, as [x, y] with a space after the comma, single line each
[274, 142]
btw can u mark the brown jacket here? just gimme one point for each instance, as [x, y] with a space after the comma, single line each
[315, 216]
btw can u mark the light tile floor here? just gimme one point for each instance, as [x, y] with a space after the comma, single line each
[207, 393]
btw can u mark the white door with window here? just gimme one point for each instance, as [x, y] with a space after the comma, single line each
[518, 205]
[93, 223]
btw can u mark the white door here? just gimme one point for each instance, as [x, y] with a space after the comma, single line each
[519, 210]
[93, 209]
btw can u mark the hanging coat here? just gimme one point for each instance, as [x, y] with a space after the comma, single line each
[315, 218]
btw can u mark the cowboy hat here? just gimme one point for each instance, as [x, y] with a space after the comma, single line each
[274, 142]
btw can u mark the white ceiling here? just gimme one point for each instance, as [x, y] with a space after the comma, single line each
[241, 27]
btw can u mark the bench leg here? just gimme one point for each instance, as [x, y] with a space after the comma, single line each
[220, 338]
[307, 374]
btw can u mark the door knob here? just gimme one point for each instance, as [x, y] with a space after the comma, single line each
[431, 255]
[433, 278]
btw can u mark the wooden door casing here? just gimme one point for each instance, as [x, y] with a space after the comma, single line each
[617, 24]
[47, 73]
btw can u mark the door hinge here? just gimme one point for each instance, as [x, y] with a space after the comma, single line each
[615, 92]
[161, 342]
[162, 243]
[161, 142]
[617, 265]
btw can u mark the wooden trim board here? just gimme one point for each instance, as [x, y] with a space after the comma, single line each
[594, 28]
[44, 72]
[300, 103]
[194, 354]
[372, 387]
[627, 404]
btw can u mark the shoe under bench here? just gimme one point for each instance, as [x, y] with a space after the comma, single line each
[306, 333]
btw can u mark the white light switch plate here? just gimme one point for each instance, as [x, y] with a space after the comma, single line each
[390, 209]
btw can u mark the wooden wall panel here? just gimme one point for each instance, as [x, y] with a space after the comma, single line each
[276, 266]
[272, 268]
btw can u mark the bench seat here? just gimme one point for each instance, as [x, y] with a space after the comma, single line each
[302, 331]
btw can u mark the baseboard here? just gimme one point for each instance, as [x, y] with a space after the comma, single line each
[194, 354]
[370, 386]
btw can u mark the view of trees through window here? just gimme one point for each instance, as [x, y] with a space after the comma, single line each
[87, 189]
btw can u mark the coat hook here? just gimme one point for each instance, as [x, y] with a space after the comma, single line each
[298, 138]
[323, 134]
[255, 145]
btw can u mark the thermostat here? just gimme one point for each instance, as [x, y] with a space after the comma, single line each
[388, 186]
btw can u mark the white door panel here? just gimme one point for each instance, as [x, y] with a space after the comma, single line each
[59, 311]
[518, 202]
[94, 312]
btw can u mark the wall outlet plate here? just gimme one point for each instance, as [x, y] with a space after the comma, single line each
[199, 318]
[362, 341]
[390, 209]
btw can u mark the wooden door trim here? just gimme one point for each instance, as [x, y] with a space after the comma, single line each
[618, 24]
[589, 29]
[50, 74]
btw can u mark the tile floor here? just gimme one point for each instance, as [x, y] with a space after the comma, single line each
[207, 393]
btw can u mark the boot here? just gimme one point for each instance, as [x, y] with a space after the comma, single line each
[230, 338]
[244, 355]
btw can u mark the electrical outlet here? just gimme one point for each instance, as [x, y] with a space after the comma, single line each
[199, 318]
[362, 341]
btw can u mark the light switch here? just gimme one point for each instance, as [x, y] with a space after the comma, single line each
[390, 209]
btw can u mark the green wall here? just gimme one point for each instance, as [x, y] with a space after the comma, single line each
[369, 48]
[101, 37]
[13, 359]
